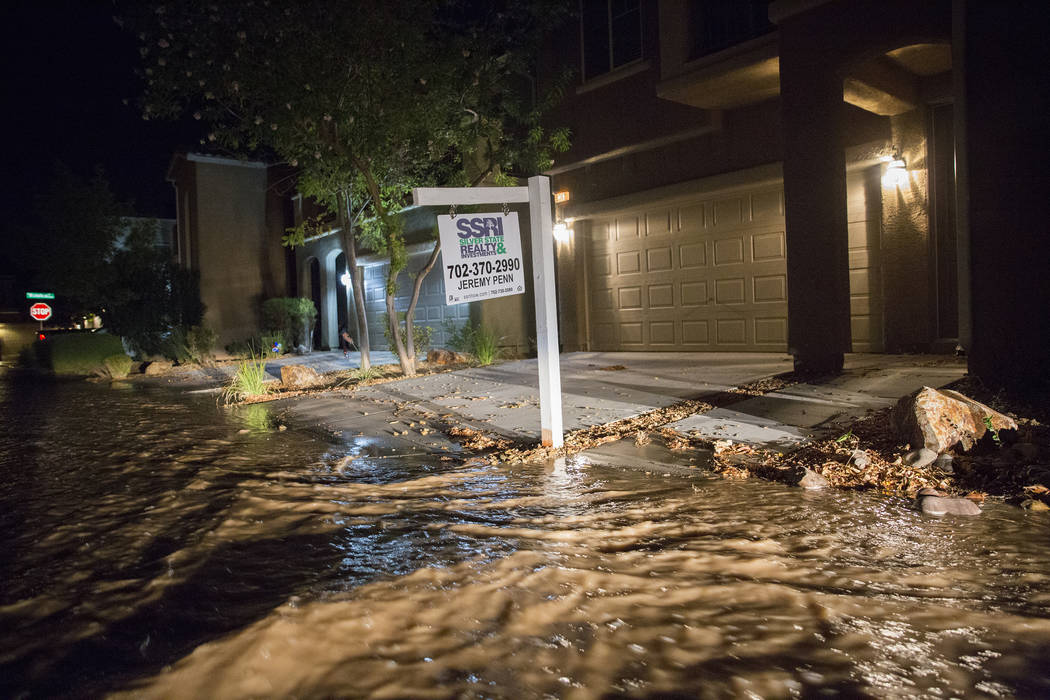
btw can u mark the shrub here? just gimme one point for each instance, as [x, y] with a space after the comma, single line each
[291, 317]
[76, 353]
[200, 340]
[117, 366]
[248, 381]
[421, 335]
[475, 338]
[244, 348]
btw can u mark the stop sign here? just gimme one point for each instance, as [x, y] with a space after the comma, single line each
[40, 311]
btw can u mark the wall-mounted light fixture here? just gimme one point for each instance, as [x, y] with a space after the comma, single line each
[896, 174]
[562, 230]
[345, 279]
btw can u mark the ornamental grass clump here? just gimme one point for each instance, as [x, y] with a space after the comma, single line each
[249, 381]
[117, 366]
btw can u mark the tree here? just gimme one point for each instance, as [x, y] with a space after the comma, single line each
[366, 99]
[148, 296]
[70, 241]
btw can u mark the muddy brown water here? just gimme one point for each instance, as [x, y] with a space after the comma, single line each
[155, 545]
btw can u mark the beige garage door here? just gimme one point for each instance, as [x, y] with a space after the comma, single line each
[707, 274]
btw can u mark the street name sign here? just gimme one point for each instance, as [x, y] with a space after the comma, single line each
[40, 295]
[481, 255]
[40, 311]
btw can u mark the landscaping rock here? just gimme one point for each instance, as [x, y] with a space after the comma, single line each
[1034, 505]
[299, 376]
[932, 502]
[922, 457]
[812, 480]
[157, 367]
[944, 463]
[939, 420]
[440, 356]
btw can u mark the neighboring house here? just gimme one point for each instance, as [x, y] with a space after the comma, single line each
[164, 232]
[792, 176]
[231, 216]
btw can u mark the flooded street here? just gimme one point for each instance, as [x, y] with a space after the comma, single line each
[155, 545]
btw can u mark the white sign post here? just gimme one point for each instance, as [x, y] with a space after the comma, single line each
[474, 268]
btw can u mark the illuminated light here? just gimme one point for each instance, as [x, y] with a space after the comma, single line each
[562, 197]
[562, 232]
[896, 174]
[41, 336]
[345, 279]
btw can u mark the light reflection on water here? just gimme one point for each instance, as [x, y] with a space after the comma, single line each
[159, 546]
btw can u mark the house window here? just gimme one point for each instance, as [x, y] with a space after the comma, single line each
[611, 32]
[719, 24]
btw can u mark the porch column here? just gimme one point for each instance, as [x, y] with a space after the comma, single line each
[815, 203]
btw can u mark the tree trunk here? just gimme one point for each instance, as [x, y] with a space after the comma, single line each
[408, 363]
[350, 248]
[410, 314]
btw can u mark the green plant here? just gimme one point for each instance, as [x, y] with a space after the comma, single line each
[200, 340]
[291, 317]
[421, 335]
[479, 340]
[248, 381]
[117, 366]
[269, 341]
[245, 348]
[995, 433]
[486, 345]
[76, 353]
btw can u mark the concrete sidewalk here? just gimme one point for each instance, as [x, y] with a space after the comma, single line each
[600, 388]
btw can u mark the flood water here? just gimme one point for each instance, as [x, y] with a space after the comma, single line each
[155, 545]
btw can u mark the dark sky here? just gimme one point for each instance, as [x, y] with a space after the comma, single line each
[68, 68]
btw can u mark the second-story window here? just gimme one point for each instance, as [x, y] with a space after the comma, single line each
[719, 24]
[611, 32]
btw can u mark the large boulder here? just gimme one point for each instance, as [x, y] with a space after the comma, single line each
[938, 420]
[439, 356]
[299, 377]
[157, 367]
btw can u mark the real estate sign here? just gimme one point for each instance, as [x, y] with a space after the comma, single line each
[481, 256]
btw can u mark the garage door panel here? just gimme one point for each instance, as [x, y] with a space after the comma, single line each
[730, 291]
[627, 228]
[694, 293]
[661, 296]
[769, 288]
[658, 223]
[692, 255]
[628, 263]
[728, 212]
[603, 299]
[691, 218]
[768, 247]
[658, 259]
[631, 333]
[696, 333]
[771, 331]
[629, 298]
[766, 206]
[731, 331]
[605, 336]
[661, 332]
[729, 251]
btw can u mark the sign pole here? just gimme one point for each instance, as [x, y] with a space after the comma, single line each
[546, 311]
[538, 195]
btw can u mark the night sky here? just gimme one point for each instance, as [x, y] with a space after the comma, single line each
[69, 66]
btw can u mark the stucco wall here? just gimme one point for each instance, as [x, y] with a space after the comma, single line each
[234, 253]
